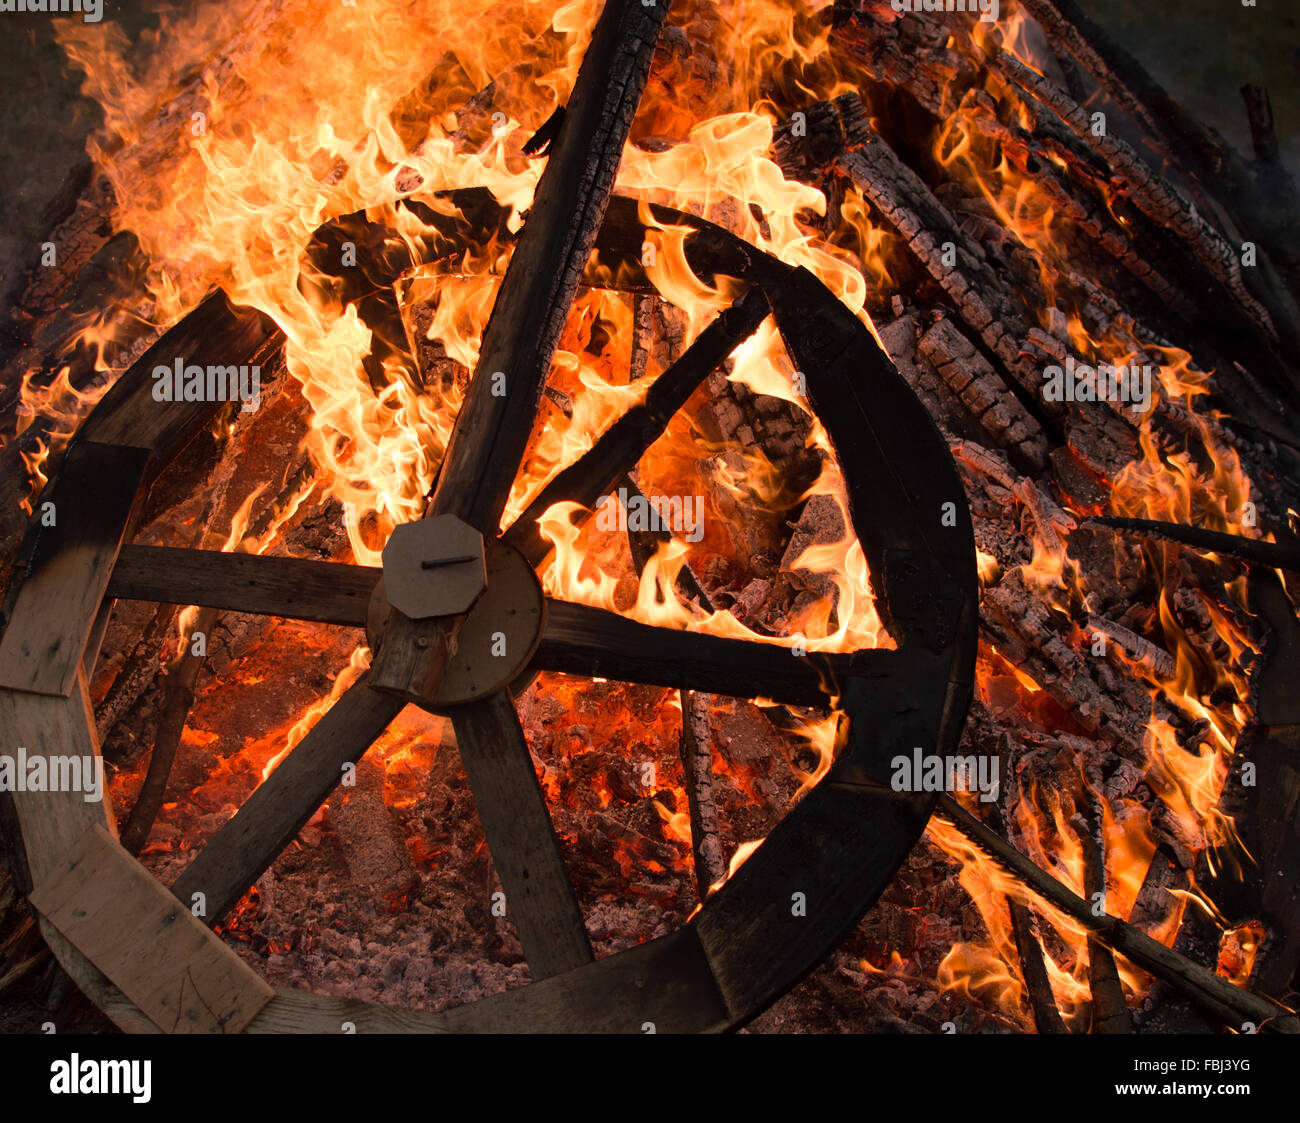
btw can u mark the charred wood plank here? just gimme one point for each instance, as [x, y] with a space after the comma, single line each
[1253, 204]
[1149, 193]
[981, 390]
[914, 526]
[50, 822]
[492, 428]
[1035, 160]
[294, 588]
[154, 949]
[525, 851]
[925, 224]
[243, 849]
[214, 334]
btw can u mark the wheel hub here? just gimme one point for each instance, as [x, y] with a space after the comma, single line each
[498, 635]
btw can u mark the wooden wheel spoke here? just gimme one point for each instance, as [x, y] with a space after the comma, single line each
[624, 443]
[243, 849]
[294, 588]
[577, 639]
[494, 424]
[525, 851]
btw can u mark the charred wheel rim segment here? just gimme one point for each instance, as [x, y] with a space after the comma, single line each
[782, 911]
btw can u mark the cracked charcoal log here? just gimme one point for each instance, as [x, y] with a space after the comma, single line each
[1025, 625]
[642, 335]
[1034, 160]
[778, 427]
[909, 206]
[983, 392]
[1138, 648]
[137, 674]
[1046, 517]
[900, 337]
[910, 54]
[1048, 520]
[983, 461]
[697, 762]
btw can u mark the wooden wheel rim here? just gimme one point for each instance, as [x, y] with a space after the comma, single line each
[829, 859]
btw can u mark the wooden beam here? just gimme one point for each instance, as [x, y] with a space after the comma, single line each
[525, 851]
[154, 951]
[294, 588]
[124, 1013]
[68, 566]
[617, 449]
[911, 517]
[580, 640]
[239, 853]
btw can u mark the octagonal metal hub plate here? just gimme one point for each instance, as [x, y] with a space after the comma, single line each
[498, 636]
[434, 567]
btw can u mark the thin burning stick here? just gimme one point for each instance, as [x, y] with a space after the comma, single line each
[1232, 1005]
[1249, 550]
[696, 739]
[1042, 1002]
[1109, 1010]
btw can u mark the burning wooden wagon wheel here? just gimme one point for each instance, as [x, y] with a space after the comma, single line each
[448, 583]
